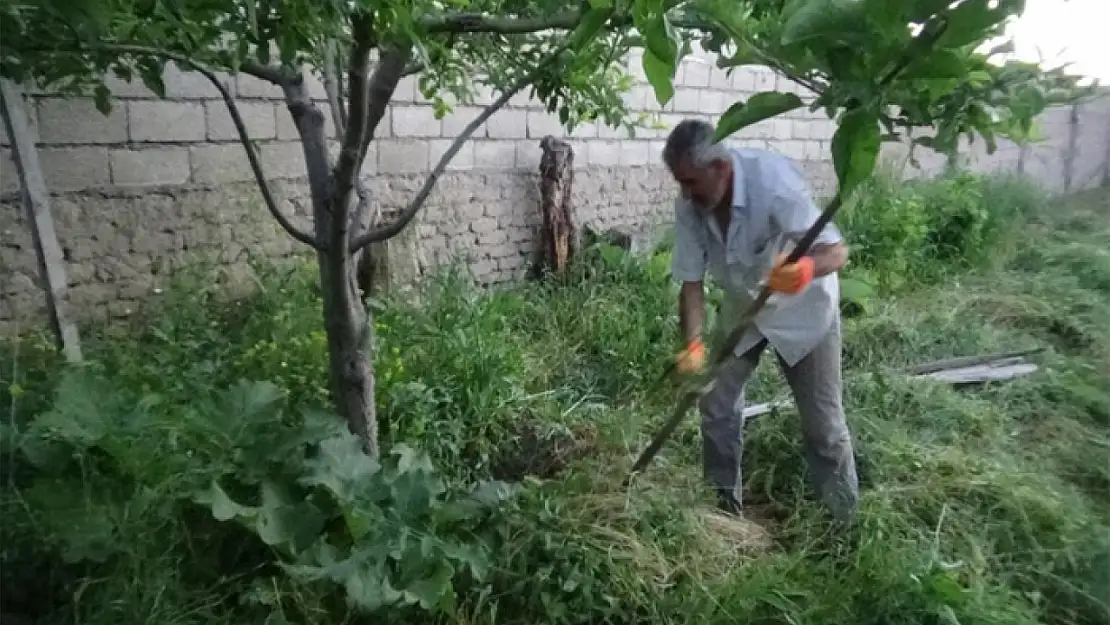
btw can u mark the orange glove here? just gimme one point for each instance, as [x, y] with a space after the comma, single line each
[692, 359]
[790, 279]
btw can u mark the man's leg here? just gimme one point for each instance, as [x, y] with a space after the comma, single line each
[816, 385]
[722, 425]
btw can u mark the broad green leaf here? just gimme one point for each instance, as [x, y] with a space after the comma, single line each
[431, 592]
[223, 508]
[660, 74]
[855, 149]
[592, 23]
[827, 19]
[759, 107]
[341, 466]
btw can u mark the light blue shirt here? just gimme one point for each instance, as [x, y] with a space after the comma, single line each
[771, 210]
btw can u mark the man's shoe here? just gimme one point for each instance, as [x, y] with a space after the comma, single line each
[727, 503]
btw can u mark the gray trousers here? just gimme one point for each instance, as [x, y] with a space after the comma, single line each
[816, 386]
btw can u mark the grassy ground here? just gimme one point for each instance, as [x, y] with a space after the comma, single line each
[189, 475]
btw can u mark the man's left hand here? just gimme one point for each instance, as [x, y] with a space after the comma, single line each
[790, 278]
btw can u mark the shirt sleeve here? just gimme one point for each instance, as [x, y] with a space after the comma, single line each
[688, 259]
[794, 211]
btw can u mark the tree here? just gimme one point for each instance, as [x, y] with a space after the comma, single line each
[879, 65]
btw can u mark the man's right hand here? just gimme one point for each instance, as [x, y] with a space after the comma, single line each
[692, 359]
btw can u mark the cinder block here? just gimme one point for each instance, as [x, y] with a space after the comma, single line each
[415, 121]
[790, 148]
[528, 155]
[604, 153]
[33, 117]
[743, 79]
[696, 73]
[586, 129]
[248, 86]
[219, 164]
[711, 102]
[542, 123]
[133, 88]
[635, 153]
[397, 156]
[782, 128]
[462, 161]
[406, 90]
[816, 151]
[150, 166]
[75, 169]
[78, 121]
[457, 120]
[258, 117]
[284, 159]
[719, 78]
[508, 124]
[765, 79]
[686, 100]
[159, 121]
[186, 84]
[636, 99]
[496, 155]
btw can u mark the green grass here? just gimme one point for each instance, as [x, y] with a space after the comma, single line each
[983, 506]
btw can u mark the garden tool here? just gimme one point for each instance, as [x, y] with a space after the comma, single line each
[724, 349]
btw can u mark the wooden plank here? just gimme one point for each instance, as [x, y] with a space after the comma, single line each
[36, 202]
[968, 361]
[999, 371]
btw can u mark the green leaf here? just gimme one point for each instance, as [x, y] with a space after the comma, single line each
[827, 19]
[431, 592]
[221, 505]
[660, 74]
[759, 107]
[855, 149]
[341, 466]
[103, 98]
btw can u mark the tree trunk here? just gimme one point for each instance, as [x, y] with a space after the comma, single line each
[556, 182]
[346, 321]
[36, 201]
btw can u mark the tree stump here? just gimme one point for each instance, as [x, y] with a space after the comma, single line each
[556, 184]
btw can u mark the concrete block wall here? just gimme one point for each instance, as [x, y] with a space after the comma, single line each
[159, 184]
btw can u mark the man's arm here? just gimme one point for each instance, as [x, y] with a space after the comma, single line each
[828, 258]
[691, 310]
[688, 264]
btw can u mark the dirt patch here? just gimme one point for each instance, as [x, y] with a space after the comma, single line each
[541, 450]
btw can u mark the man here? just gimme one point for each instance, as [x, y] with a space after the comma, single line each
[738, 215]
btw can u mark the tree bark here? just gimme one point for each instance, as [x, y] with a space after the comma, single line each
[347, 323]
[36, 201]
[556, 183]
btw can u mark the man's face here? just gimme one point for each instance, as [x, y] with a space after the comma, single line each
[705, 186]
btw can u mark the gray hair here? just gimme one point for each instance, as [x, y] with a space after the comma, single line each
[691, 141]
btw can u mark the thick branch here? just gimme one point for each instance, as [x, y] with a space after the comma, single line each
[358, 82]
[331, 86]
[240, 126]
[271, 73]
[482, 23]
[388, 231]
[382, 85]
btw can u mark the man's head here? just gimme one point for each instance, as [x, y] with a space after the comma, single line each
[702, 168]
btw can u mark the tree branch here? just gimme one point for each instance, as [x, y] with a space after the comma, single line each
[271, 73]
[482, 23]
[331, 86]
[382, 233]
[240, 126]
[358, 72]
